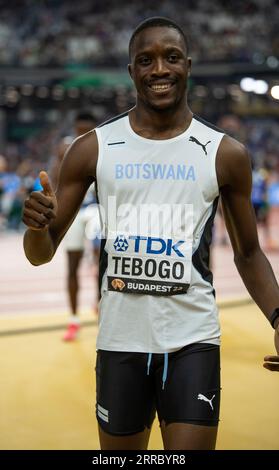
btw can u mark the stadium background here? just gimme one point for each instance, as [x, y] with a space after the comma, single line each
[57, 57]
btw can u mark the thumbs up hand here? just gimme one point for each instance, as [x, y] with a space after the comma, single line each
[40, 208]
[45, 183]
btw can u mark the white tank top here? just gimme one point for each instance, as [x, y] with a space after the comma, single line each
[155, 283]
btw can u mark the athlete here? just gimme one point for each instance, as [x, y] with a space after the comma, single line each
[260, 203]
[74, 242]
[158, 340]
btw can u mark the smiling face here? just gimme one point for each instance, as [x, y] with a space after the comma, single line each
[160, 67]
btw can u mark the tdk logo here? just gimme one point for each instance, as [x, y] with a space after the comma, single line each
[157, 246]
[121, 243]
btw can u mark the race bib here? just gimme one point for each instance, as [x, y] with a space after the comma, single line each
[148, 265]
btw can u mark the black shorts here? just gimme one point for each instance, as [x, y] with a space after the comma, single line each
[128, 397]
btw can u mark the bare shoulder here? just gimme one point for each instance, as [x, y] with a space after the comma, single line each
[233, 163]
[82, 155]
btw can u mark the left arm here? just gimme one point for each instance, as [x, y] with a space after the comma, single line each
[235, 182]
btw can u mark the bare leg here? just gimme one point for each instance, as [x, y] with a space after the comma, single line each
[183, 436]
[74, 258]
[137, 441]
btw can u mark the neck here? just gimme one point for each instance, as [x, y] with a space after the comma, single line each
[147, 120]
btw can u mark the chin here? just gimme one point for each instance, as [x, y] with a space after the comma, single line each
[162, 105]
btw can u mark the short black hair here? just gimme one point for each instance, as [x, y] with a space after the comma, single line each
[85, 116]
[157, 21]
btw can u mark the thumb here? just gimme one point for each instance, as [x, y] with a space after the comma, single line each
[45, 182]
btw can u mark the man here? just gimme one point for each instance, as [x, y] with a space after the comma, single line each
[74, 241]
[259, 196]
[158, 341]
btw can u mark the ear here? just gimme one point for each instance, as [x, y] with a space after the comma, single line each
[189, 61]
[130, 71]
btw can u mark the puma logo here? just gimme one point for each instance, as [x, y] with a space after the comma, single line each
[193, 139]
[202, 397]
[118, 284]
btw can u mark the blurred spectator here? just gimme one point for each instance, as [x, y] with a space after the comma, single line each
[10, 186]
[55, 33]
[259, 197]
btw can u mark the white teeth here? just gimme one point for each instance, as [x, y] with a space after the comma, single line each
[161, 87]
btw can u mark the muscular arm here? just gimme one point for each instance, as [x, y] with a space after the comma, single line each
[77, 172]
[235, 182]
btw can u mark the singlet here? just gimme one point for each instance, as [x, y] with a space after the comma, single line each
[156, 292]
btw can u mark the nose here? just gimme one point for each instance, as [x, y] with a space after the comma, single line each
[159, 68]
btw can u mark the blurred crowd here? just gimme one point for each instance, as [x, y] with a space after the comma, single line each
[92, 32]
